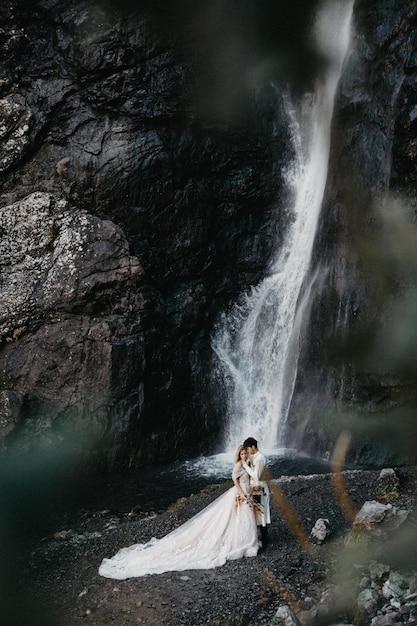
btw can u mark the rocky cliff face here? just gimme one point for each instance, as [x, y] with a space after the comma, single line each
[132, 213]
[127, 222]
[357, 371]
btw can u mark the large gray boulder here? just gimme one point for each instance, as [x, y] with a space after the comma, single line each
[72, 353]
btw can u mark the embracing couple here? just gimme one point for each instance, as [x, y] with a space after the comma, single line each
[254, 464]
[227, 529]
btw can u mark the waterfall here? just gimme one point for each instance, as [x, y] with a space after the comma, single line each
[257, 344]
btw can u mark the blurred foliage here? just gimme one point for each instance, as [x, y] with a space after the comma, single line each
[36, 487]
[380, 232]
[375, 350]
[374, 418]
[389, 437]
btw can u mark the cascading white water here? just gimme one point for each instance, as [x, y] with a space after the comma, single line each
[258, 343]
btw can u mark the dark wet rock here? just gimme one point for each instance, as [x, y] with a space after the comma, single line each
[116, 127]
[320, 530]
[352, 363]
[16, 120]
[103, 158]
[72, 343]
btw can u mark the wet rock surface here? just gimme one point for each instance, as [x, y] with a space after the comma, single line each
[348, 579]
[153, 133]
[105, 162]
[342, 366]
[70, 323]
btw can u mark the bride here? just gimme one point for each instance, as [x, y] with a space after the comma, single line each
[223, 531]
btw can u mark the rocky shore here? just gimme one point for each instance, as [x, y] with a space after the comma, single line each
[359, 571]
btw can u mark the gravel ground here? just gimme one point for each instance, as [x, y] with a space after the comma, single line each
[60, 585]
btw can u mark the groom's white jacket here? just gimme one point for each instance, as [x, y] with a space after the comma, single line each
[256, 471]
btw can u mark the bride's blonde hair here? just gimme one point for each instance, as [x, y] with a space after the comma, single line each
[237, 455]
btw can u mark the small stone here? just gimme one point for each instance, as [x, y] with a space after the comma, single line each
[399, 579]
[372, 512]
[390, 589]
[364, 582]
[385, 620]
[320, 530]
[395, 603]
[379, 571]
[284, 617]
[368, 601]
[388, 472]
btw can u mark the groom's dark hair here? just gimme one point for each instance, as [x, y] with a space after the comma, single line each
[249, 442]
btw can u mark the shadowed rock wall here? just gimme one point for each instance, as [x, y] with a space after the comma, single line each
[129, 218]
[356, 373]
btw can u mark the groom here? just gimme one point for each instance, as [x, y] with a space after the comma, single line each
[256, 472]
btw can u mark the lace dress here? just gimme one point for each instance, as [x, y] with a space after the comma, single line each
[223, 531]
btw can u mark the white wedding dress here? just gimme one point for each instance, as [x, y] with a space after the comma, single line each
[223, 531]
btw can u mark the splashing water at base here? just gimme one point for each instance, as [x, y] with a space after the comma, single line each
[257, 345]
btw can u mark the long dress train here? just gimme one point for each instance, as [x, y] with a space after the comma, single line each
[223, 531]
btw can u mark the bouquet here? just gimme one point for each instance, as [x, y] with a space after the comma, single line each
[257, 491]
[251, 501]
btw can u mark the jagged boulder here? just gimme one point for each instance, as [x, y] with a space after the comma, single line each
[72, 346]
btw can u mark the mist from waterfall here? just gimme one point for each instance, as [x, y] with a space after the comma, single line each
[258, 343]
